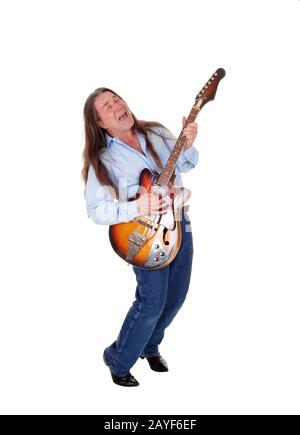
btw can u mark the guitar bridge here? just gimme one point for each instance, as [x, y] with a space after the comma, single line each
[136, 241]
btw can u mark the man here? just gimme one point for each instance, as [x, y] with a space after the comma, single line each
[117, 147]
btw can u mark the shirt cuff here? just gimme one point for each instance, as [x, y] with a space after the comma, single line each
[190, 153]
[128, 210]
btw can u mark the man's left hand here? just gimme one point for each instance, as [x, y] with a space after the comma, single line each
[190, 132]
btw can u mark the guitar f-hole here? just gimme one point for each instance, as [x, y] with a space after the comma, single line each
[166, 242]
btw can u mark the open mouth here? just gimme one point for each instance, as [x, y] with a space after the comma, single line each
[123, 117]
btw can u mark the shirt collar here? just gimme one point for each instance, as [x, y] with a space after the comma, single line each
[141, 137]
[109, 139]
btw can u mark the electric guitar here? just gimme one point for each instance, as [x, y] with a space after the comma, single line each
[152, 242]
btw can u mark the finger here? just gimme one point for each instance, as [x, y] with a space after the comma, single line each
[191, 129]
[163, 211]
[161, 207]
[157, 200]
[158, 205]
[192, 125]
[156, 196]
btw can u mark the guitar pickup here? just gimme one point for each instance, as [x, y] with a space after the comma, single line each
[145, 224]
[161, 190]
[137, 238]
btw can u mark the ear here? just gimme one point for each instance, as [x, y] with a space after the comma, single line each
[102, 125]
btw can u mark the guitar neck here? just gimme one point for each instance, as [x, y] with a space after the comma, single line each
[207, 94]
[170, 166]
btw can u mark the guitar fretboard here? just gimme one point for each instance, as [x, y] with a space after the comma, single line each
[206, 94]
[169, 168]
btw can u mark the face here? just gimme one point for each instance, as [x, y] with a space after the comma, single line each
[114, 114]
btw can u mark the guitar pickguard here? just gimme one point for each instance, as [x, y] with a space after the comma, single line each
[181, 196]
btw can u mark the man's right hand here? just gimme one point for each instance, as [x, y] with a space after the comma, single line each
[150, 204]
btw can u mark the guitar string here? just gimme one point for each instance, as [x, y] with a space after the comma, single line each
[146, 230]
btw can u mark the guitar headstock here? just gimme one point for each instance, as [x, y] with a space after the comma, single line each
[209, 90]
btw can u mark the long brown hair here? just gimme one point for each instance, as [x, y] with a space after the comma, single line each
[95, 140]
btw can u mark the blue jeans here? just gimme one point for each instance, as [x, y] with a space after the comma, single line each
[160, 294]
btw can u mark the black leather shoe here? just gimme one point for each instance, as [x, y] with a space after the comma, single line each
[158, 363]
[125, 381]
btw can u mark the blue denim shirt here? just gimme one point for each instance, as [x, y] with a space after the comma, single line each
[124, 165]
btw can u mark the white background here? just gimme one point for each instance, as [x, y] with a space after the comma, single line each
[234, 346]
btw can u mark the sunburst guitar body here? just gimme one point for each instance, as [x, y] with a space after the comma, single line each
[151, 242]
